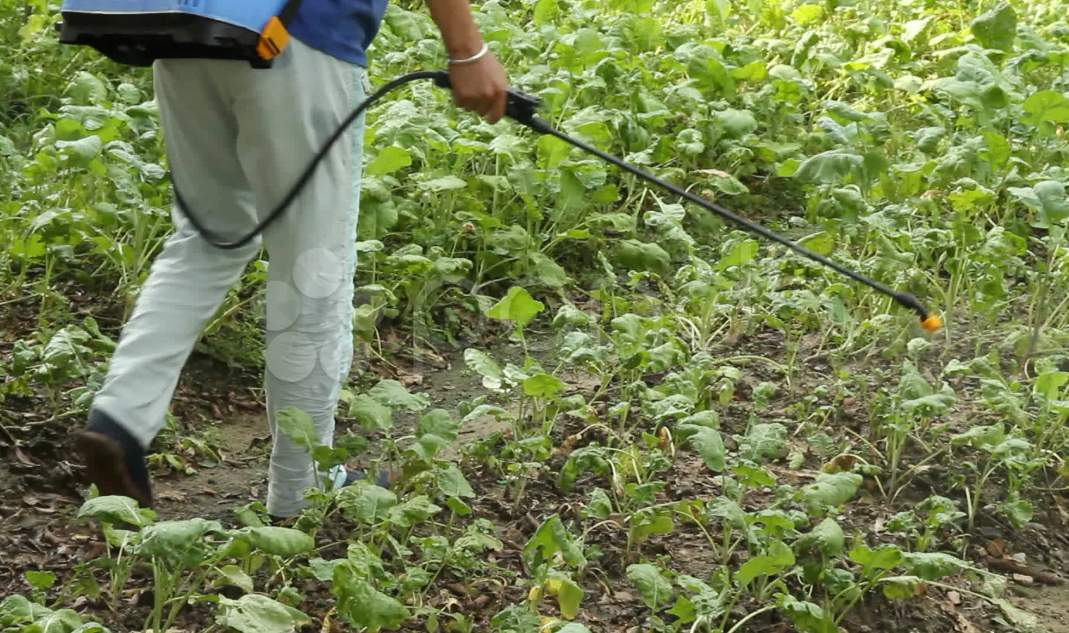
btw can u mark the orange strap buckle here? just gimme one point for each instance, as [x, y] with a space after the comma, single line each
[273, 40]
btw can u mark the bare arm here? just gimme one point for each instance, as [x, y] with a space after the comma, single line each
[478, 86]
[459, 32]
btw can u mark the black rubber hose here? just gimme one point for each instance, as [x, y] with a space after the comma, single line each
[218, 241]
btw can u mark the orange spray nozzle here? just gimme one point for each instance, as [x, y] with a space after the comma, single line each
[933, 323]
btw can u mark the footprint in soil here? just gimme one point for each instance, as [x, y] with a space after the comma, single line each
[214, 493]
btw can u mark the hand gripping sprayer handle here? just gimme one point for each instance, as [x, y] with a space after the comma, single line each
[519, 106]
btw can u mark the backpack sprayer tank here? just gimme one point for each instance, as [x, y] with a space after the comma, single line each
[138, 32]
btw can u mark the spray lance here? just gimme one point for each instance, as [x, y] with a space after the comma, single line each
[523, 108]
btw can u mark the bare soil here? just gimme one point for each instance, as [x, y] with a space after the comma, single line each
[43, 490]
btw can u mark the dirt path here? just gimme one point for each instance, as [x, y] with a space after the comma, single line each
[1050, 605]
[215, 492]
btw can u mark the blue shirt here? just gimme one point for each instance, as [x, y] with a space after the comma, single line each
[340, 28]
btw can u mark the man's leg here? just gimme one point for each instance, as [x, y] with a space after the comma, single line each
[187, 283]
[284, 117]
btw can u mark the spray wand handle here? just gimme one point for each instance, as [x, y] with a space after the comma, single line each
[519, 106]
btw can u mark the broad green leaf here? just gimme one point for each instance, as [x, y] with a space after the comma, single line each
[178, 542]
[928, 138]
[830, 167]
[116, 509]
[234, 575]
[827, 537]
[543, 386]
[87, 89]
[517, 306]
[807, 616]
[436, 431]
[60, 621]
[884, 558]
[362, 604]
[280, 541]
[654, 588]
[1047, 199]
[1046, 106]
[642, 256]
[646, 523]
[807, 14]
[392, 393]
[569, 595]
[998, 153]
[323, 570]
[690, 143]
[737, 123]
[1019, 511]
[1018, 617]
[372, 414]
[573, 627]
[366, 502]
[40, 579]
[445, 183]
[299, 427]
[754, 71]
[83, 150]
[778, 558]
[724, 182]
[413, 511]
[377, 218]
[550, 538]
[481, 363]
[452, 483]
[1049, 383]
[453, 269]
[981, 435]
[730, 511]
[831, 490]
[389, 160]
[996, 28]
[553, 151]
[549, 272]
[753, 477]
[546, 11]
[741, 254]
[708, 443]
[822, 243]
[901, 587]
[684, 610]
[403, 23]
[599, 506]
[17, 609]
[458, 506]
[844, 113]
[254, 613]
[707, 418]
[764, 441]
[932, 565]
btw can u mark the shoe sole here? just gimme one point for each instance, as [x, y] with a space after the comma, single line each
[105, 466]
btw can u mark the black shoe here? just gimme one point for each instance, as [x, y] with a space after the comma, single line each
[114, 460]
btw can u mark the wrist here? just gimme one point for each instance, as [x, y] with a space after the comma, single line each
[471, 59]
[464, 50]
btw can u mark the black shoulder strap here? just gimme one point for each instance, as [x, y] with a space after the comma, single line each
[289, 12]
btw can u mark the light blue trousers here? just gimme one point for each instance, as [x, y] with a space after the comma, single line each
[237, 139]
